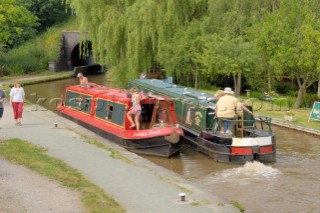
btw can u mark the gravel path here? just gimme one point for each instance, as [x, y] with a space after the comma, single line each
[22, 190]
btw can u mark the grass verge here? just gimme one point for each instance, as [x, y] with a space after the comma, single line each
[238, 206]
[33, 157]
[39, 78]
[268, 109]
[276, 111]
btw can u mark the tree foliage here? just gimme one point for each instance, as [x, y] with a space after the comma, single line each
[48, 12]
[196, 40]
[33, 55]
[16, 23]
[127, 34]
[291, 42]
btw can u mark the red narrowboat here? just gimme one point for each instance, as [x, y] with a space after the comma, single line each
[104, 110]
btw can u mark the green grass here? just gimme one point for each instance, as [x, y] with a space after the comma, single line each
[238, 206]
[275, 111]
[43, 77]
[114, 153]
[33, 157]
[46, 77]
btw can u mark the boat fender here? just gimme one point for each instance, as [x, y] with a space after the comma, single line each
[173, 138]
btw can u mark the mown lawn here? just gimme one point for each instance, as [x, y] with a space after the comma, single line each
[278, 112]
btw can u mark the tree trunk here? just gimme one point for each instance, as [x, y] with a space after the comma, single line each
[234, 81]
[318, 87]
[237, 83]
[196, 81]
[298, 102]
[269, 80]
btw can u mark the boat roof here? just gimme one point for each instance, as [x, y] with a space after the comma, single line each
[173, 90]
[105, 92]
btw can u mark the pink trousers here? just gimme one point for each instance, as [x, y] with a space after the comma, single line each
[17, 109]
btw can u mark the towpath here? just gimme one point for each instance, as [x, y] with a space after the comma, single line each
[139, 186]
[36, 77]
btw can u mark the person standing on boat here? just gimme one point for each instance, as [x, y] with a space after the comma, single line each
[17, 99]
[83, 80]
[2, 97]
[216, 98]
[226, 109]
[135, 111]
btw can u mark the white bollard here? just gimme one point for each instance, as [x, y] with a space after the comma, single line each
[182, 196]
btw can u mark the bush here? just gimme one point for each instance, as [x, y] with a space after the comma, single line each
[28, 58]
[308, 100]
[34, 55]
[283, 102]
[255, 94]
[284, 87]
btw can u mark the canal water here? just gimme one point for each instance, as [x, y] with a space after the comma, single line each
[292, 184]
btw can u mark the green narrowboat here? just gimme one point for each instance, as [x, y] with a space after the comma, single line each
[252, 137]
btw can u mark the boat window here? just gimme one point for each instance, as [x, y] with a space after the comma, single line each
[109, 110]
[86, 105]
[78, 101]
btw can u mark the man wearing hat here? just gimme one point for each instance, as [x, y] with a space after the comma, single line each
[226, 109]
[2, 97]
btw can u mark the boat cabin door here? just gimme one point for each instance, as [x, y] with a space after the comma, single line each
[161, 114]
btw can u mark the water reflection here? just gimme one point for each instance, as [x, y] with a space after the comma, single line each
[47, 94]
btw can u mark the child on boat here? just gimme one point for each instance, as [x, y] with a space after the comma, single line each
[135, 111]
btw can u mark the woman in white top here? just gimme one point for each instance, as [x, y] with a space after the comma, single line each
[17, 99]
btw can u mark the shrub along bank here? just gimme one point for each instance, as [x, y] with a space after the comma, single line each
[34, 55]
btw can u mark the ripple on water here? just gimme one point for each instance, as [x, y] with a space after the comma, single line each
[245, 174]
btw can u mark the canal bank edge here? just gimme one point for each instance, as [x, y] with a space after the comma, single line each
[295, 127]
[136, 186]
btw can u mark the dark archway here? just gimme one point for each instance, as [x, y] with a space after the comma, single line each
[72, 59]
[77, 60]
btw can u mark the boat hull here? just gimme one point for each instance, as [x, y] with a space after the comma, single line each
[233, 150]
[156, 146]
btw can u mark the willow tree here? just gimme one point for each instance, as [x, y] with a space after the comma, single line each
[126, 34]
[179, 55]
